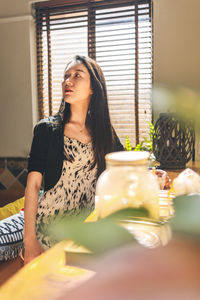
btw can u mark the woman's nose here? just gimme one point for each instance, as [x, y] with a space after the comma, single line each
[68, 82]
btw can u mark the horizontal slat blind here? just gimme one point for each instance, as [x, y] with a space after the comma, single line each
[119, 36]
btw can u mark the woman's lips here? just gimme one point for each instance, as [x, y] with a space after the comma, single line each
[68, 91]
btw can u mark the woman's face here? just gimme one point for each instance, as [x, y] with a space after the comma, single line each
[76, 86]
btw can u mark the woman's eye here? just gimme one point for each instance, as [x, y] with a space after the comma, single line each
[66, 76]
[77, 75]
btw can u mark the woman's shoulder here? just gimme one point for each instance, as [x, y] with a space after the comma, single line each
[49, 122]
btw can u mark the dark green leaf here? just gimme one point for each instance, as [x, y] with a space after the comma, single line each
[187, 214]
[98, 237]
[128, 213]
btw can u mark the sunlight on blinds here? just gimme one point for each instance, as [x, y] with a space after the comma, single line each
[119, 37]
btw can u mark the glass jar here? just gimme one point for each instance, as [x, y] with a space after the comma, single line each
[127, 182]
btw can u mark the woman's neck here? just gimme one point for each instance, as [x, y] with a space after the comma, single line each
[78, 115]
[76, 127]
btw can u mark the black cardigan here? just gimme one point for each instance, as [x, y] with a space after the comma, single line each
[46, 155]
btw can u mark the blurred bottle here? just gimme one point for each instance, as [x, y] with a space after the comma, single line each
[127, 182]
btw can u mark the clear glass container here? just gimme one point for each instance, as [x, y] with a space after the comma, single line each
[127, 182]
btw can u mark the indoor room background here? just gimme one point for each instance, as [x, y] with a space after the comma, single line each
[176, 61]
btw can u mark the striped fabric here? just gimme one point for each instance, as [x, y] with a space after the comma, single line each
[11, 236]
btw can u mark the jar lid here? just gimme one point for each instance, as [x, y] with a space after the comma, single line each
[127, 157]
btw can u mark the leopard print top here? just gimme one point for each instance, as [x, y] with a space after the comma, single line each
[74, 191]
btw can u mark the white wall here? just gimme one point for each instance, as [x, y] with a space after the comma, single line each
[16, 118]
[177, 47]
[177, 42]
[18, 96]
[176, 61]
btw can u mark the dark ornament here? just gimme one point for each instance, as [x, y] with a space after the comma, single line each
[173, 141]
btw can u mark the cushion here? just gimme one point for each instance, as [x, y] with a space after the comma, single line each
[11, 208]
[10, 195]
[11, 236]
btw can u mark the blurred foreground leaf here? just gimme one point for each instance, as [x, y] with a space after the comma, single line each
[181, 100]
[128, 213]
[187, 214]
[99, 236]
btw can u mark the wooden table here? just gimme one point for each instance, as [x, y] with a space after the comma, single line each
[9, 268]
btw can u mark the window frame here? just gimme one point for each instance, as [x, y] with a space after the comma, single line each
[90, 5]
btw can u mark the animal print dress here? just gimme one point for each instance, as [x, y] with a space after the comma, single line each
[74, 191]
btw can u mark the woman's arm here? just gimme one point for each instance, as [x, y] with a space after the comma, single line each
[36, 168]
[32, 246]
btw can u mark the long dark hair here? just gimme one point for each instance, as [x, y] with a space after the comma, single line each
[98, 119]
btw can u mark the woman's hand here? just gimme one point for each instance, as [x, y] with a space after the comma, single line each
[32, 250]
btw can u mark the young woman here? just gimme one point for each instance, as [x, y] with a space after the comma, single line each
[68, 152]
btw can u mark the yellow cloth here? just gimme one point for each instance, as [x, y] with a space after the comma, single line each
[11, 208]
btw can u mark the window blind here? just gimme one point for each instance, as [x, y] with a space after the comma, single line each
[118, 35]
